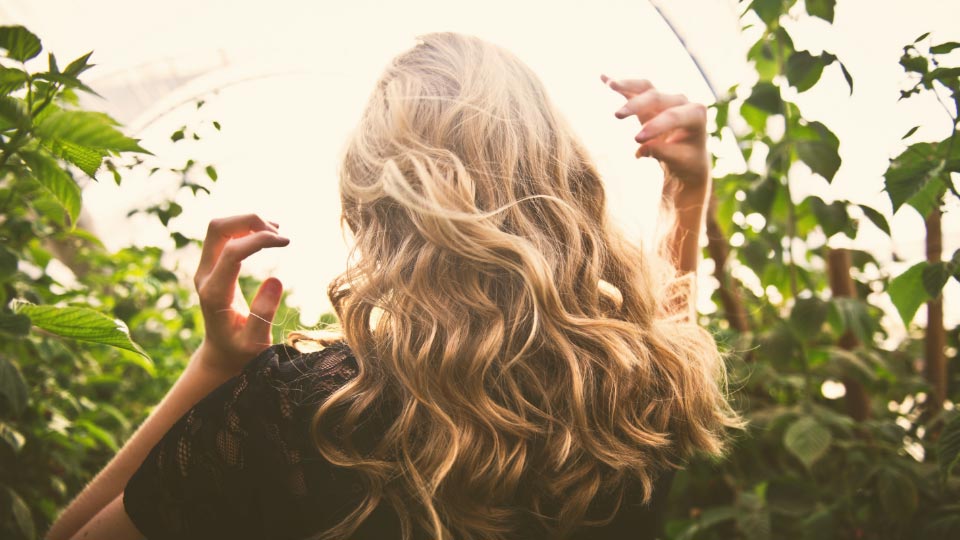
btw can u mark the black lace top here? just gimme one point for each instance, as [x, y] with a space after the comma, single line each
[241, 464]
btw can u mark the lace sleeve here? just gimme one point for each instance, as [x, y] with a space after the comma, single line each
[234, 464]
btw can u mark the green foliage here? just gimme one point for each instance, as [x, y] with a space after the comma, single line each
[75, 382]
[811, 466]
[80, 323]
[87, 350]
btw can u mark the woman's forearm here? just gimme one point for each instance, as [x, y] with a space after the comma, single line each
[197, 380]
[683, 241]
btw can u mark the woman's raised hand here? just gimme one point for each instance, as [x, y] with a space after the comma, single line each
[674, 130]
[235, 332]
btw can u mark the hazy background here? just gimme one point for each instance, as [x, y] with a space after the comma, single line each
[288, 79]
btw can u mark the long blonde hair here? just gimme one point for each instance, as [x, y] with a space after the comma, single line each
[509, 337]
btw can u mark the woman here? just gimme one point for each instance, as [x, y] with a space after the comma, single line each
[508, 368]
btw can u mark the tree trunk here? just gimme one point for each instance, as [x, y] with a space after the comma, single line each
[841, 285]
[935, 362]
[719, 250]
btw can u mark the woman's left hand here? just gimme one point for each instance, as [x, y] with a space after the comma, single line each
[235, 332]
[674, 131]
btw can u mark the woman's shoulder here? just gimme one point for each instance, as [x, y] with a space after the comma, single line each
[305, 377]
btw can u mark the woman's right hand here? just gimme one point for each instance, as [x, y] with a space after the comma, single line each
[235, 332]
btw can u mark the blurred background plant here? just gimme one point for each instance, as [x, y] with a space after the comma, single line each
[881, 461]
[852, 434]
[74, 381]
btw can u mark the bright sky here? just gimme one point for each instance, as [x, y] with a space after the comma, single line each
[294, 75]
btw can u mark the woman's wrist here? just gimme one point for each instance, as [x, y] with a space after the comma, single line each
[216, 361]
[686, 192]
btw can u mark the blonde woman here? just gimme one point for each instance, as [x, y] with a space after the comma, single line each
[510, 367]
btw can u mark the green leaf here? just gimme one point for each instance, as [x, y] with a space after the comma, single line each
[78, 66]
[846, 76]
[807, 440]
[897, 493]
[910, 172]
[180, 240]
[761, 195]
[85, 128]
[876, 218]
[68, 81]
[99, 434]
[934, 277]
[753, 518]
[21, 515]
[764, 60]
[13, 388]
[769, 11]
[12, 437]
[944, 48]
[948, 447]
[804, 70]
[14, 112]
[821, 8]
[754, 117]
[65, 190]
[808, 316]
[766, 97]
[922, 37]
[216, 125]
[86, 159]
[848, 363]
[911, 132]
[212, 173]
[833, 217]
[177, 135]
[11, 80]
[821, 154]
[907, 292]
[915, 64]
[82, 324]
[8, 263]
[20, 43]
[15, 325]
[930, 195]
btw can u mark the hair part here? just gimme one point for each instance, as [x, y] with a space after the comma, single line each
[513, 342]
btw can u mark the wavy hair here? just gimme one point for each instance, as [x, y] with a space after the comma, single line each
[509, 339]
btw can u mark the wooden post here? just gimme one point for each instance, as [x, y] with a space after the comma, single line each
[841, 286]
[935, 361]
[719, 250]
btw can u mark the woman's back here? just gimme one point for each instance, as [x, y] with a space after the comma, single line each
[241, 464]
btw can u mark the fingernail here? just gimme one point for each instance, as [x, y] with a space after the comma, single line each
[273, 286]
[622, 112]
[642, 136]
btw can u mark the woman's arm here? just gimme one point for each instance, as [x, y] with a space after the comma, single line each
[234, 334]
[684, 240]
[197, 380]
[675, 134]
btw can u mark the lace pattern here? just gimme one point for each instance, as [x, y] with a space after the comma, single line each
[241, 464]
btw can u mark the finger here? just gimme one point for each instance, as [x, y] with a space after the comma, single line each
[629, 87]
[649, 104]
[220, 231]
[262, 311]
[217, 288]
[691, 116]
